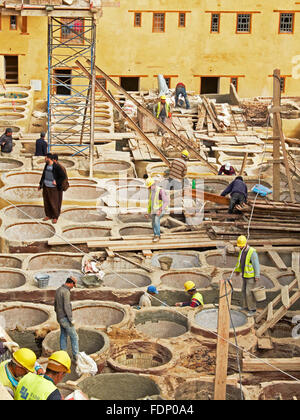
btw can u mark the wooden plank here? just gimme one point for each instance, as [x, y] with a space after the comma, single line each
[270, 311]
[296, 262]
[277, 260]
[222, 342]
[244, 164]
[266, 364]
[285, 296]
[276, 143]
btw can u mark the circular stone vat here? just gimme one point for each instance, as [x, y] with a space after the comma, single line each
[23, 316]
[99, 315]
[123, 182]
[11, 109]
[159, 323]
[134, 193]
[81, 192]
[7, 164]
[58, 277]
[141, 357]
[176, 280]
[215, 187]
[11, 279]
[180, 260]
[11, 262]
[54, 260]
[132, 217]
[86, 232]
[84, 215]
[221, 261]
[68, 164]
[119, 386]
[23, 193]
[111, 169]
[25, 212]
[136, 230]
[284, 390]
[8, 116]
[286, 279]
[126, 280]
[24, 232]
[203, 391]
[237, 281]
[19, 178]
[83, 181]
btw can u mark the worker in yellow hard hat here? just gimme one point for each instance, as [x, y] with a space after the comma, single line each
[196, 297]
[11, 371]
[157, 206]
[248, 265]
[162, 111]
[33, 387]
[177, 173]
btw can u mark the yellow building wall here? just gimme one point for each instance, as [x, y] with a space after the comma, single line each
[187, 53]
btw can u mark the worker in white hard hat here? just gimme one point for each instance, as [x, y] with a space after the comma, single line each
[162, 111]
[196, 297]
[33, 387]
[248, 266]
[227, 169]
[157, 205]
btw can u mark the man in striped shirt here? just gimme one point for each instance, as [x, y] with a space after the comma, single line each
[178, 171]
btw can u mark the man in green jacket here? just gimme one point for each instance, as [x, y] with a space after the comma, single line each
[248, 265]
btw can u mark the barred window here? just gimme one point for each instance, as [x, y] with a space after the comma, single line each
[282, 84]
[286, 23]
[138, 20]
[182, 20]
[159, 22]
[215, 22]
[243, 23]
[72, 30]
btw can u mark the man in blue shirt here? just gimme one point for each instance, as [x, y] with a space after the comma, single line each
[238, 193]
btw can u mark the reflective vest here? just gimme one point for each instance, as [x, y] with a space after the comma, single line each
[6, 378]
[157, 203]
[159, 108]
[34, 387]
[198, 297]
[249, 270]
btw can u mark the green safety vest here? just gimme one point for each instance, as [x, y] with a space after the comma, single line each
[159, 107]
[4, 379]
[249, 270]
[199, 297]
[34, 387]
[157, 203]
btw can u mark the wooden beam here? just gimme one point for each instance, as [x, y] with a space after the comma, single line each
[277, 260]
[244, 164]
[266, 365]
[222, 341]
[276, 143]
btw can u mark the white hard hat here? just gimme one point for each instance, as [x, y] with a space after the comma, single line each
[227, 166]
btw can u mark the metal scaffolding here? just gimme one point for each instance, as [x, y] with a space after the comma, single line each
[71, 94]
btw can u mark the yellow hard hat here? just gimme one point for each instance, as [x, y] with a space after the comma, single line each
[242, 241]
[185, 153]
[163, 97]
[189, 285]
[26, 358]
[59, 361]
[149, 182]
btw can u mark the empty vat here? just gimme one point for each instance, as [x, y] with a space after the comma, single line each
[24, 232]
[18, 178]
[20, 194]
[86, 232]
[53, 260]
[141, 357]
[112, 169]
[132, 217]
[222, 260]
[84, 181]
[24, 212]
[58, 277]
[126, 280]
[280, 390]
[123, 182]
[84, 215]
[9, 261]
[201, 390]
[23, 316]
[179, 259]
[161, 323]
[99, 315]
[11, 278]
[136, 230]
[119, 386]
[132, 196]
[286, 279]
[176, 280]
[237, 281]
[7, 164]
[82, 192]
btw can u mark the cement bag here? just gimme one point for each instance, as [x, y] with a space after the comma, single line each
[85, 364]
[130, 108]
[162, 85]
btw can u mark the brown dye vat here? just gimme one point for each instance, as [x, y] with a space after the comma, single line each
[176, 280]
[25, 212]
[126, 280]
[86, 232]
[11, 262]
[11, 279]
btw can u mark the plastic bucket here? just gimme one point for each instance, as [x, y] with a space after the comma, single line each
[165, 263]
[43, 280]
[260, 294]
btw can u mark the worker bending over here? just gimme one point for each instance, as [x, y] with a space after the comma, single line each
[157, 206]
[178, 171]
[145, 299]
[248, 265]
[181, 90]
[196, 297]
[11, 371]
[34, 387]
[238, 193]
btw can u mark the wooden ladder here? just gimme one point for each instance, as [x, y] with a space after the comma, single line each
[273, 316]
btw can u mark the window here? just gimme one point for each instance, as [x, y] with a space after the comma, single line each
[72, 30]
[62, 81]
[182, 20]
[168, 81]
[286, 25]
[137, 20]
[209, 85]
[234, 81]
[215, 22]
[130, 83]
[101, 81]
[11, 68]
[282, 84]
[159, 22]
[243, 23]
[13, 23]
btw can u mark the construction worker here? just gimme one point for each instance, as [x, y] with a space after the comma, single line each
[162, 111]
[33, 387]
[178, 171]
[227, 169]
[6, 142]
[11, 371]
[181, 90]
[158, 204]
[41, 146]
[145, 299]
[248, 265]
[238, 193]
[196, 297]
